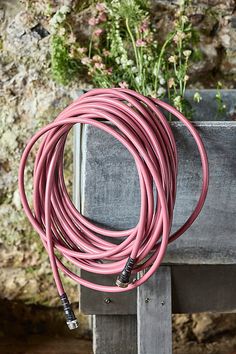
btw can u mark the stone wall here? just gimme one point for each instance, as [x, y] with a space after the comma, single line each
[30, 98]
[215, 25]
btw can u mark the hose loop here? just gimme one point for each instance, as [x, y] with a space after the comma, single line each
[139, 124]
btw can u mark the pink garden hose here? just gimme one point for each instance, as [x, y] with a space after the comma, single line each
[139, 124]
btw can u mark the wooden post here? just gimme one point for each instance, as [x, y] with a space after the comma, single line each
[114, 334]
[154, 314]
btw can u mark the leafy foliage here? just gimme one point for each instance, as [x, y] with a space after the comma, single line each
[123, 50]
[63, 67]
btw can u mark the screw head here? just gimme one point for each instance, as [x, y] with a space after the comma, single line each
[107, 300]
[147, 300]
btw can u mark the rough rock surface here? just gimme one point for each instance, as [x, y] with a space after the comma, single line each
[30, 98]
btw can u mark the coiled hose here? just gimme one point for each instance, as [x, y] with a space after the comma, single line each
[139, 124]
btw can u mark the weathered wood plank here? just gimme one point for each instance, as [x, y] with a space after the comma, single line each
[114, 334]
[119, 304]
[154, 314]
[110, 191]
[190, 285]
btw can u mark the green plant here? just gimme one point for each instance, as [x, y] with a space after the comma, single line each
[197, 97]
[221, 107]
[64, 66]
[123, 50]
[178, 63]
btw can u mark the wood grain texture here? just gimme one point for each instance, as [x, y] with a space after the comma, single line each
[154, 314]
[110, 191]
[195, 288]
[120, 303]
[114, 334]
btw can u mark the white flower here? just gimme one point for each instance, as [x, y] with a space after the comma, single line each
[86, 60]
[179, 37]
[172, 59]
[53, 21]
[155, 71]
[123, 84]
[186, 77]
[59, 16]
[177, 101]
[161, 91]
[82, 50]
[134, 69]
[197, 97]
[138, 79]
[130, 62]
[65, 10]
[161, 80]
[61, 31]
[100, 66]
[187, 53]
[97, 58]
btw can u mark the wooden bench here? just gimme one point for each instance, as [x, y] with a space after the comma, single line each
[199, 270]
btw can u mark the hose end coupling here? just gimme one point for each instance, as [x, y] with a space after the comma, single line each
[120, 283]
[123, 279]
[71, 320]
[72, 324]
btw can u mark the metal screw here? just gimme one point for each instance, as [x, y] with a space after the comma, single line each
[147, 300]
[107, 300]
[163, 303]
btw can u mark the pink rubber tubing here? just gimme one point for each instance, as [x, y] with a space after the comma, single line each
[139, 124]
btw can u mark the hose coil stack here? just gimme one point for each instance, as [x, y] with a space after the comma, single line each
[139, 124]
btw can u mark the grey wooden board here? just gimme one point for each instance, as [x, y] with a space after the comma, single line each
[195, 288]
[110, 190]
[114, 334]
[203, 288]
[120, 304]
[207, 109]
[154, 314]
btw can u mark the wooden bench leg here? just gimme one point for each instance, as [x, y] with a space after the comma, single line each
[154, 314]
[114, 334]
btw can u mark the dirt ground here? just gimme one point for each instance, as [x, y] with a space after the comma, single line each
[31, 329]
[38, 344]
[42, 344]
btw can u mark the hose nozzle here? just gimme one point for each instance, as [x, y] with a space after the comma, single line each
[71, 320]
